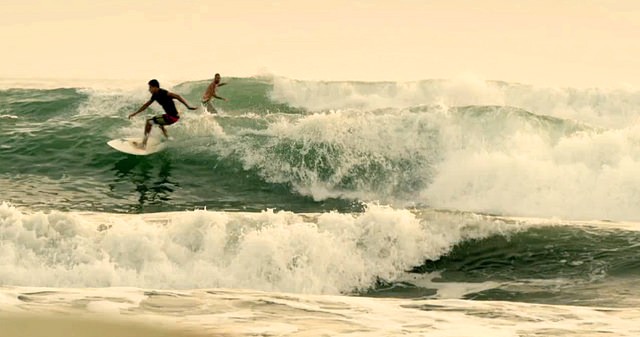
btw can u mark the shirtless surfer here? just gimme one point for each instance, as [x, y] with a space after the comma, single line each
[165, 99]
[211, 93]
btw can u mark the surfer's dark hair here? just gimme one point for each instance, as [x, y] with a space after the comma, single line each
[154, 83]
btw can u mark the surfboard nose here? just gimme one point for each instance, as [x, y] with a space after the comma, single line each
[134, 146]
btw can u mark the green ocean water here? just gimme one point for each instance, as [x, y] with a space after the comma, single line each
[441, 156]
[55, 156]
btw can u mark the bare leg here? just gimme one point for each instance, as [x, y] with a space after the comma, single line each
[147, 130]
[164, 131]
[208, 107]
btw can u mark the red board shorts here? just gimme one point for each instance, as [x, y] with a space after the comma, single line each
[164, 119]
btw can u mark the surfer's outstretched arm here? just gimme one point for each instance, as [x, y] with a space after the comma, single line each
[142, 108]
[211, 90]
[179, 98]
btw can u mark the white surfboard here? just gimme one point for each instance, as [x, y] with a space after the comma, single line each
[129, 145]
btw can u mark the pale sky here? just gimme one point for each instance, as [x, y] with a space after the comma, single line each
[541, 42]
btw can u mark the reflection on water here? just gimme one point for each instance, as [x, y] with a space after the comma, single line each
[147, 179]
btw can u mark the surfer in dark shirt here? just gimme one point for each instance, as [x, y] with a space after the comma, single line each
[171, 115]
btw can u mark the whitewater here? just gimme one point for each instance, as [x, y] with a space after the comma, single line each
[306, 208]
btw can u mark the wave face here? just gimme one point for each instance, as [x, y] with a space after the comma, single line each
[315, 146]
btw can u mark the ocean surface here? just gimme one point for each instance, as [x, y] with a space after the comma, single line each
[310, 208]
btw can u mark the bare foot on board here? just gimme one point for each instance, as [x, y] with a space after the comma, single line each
[138, 145]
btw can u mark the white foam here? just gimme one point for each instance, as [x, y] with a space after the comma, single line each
[244, 312]
[448, 290]
[366, 96]
[325, 253]
[602, 107]
[319, 152]
[585, 175]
